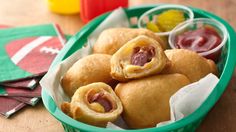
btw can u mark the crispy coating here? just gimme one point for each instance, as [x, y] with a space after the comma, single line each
[81, 109]
[112, 39]
[146, 101]
[190, 64]
[92, 68]
[122, 68]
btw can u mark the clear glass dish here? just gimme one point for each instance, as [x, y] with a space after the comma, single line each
[194, 24]
[150, 15]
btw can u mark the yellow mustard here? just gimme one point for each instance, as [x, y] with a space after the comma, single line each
[64, 6]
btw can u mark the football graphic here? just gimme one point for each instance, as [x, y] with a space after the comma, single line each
[34, 54]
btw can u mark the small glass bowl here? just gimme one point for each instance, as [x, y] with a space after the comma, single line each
[194, 24]
[150, 15]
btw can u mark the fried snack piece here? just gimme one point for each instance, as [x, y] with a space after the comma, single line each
[112, 39]
[92, 68]
[190, 64]
[140, 57]
[94, 104]
[146, 101]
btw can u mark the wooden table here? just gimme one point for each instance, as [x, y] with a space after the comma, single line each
[222, 117]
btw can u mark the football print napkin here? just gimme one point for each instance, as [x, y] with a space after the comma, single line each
[27, 55]
[13, 104]
[23, 83]
[9, 91]
[10, 106]
[27, 100]
[30, 82]
[28, 51]
[4, 26]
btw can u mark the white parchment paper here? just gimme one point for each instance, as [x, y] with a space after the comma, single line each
[182, 103]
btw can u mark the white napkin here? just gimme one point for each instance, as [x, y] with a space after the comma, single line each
[51, 81]
[117, 18]
[189, 98]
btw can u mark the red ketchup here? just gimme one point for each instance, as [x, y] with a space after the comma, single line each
[200, 40]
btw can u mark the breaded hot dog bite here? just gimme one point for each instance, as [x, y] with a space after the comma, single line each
[90, 69]
[190, 64]
[146, 101]
[94, 104]
[140, 57]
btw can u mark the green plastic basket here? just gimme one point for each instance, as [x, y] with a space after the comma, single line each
[190, 123]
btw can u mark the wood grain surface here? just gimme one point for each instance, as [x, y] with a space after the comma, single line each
[221, 118]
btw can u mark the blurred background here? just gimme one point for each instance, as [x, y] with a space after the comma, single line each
[29, 12]
[32, 12]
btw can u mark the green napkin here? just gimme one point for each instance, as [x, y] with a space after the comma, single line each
[28, 51]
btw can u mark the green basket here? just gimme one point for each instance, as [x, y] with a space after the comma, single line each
[226, 66]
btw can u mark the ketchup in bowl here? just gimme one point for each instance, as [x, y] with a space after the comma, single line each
[203, 35]
[200, 40]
